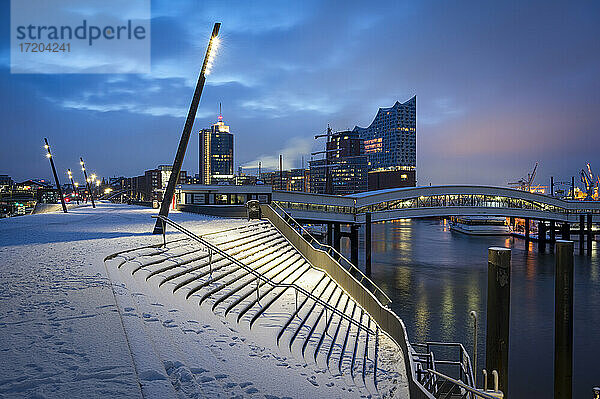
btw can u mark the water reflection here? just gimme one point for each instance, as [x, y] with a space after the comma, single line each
[435, 277]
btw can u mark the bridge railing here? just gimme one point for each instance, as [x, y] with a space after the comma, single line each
[354, 271]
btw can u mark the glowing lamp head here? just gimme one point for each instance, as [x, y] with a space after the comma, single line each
[46, 146]
[213, 46]
[48, 155]
[97, 182]
[76, 184]
[81, 163]
[93, 176]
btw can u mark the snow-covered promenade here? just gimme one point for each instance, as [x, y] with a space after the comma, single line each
[73, 326]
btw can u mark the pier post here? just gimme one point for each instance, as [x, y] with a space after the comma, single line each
[589, 236]
[526, 229]
[354, 244]
[498, 312]
[336, 236]
[563, 321]
[542, 236]
[566, 231]
[368, 243]
[552, 232]
[330, 234]
[581, 233]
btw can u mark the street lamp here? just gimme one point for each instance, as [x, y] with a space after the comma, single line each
[60, 193]
[87, 181]
[73, 184]
[209, 58]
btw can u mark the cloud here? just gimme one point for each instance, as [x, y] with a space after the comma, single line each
[277, 105]
[175, 112]
[294, 150]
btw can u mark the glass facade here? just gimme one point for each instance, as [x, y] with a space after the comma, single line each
[390, 141]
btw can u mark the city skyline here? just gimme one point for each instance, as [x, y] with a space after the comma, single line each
[500, 86]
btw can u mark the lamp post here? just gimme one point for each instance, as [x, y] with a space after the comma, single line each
[72, 184]
[76, 185]
[93, 182]
[187, 129]
[87, 182]
[60, 193]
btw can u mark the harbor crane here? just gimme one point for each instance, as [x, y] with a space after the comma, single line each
[590, 183]
[523, 183]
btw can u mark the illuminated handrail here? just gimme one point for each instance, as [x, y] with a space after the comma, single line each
[259, 276]
[379, 293]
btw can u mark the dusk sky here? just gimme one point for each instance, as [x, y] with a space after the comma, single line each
[499, 86]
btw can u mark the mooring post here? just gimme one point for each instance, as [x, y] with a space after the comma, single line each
[566, 231]
[581, 233]
[498, 312]
[589, 236]
[552, 232]
[368, 243]
[563, 321]
[336, 237]
[526, 229]
[542, 236]
[354, 244]
[474, 316]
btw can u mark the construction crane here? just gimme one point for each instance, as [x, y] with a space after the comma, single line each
[525, 183]
[591, 185]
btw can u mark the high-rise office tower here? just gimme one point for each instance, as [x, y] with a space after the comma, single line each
[344, 168]
[216, 153]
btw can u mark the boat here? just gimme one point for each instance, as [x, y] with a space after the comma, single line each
[480, 225]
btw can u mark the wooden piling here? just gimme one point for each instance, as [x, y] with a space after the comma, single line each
[498, 313]
[563, 321]
[589, 234]
[581, 233]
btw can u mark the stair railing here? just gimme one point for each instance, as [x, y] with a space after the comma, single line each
[214, 249]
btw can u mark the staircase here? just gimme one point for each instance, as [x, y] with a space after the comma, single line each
[259, 280]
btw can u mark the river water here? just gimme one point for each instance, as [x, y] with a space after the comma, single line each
[435, 277]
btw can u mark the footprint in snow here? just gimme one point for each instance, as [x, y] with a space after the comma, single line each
[198, 370]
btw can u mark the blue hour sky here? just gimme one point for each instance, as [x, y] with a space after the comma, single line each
[499, 85]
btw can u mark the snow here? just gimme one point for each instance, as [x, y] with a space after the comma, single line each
[74, 325]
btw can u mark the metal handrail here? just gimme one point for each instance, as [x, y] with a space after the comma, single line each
[259, 276]
[338, 256]
[473, 391]
[467, 371]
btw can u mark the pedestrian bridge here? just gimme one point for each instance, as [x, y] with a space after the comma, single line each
[433, 201]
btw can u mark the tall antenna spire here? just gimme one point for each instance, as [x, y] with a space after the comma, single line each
[220, 114]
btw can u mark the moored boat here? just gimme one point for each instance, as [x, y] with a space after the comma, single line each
[480, 225]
